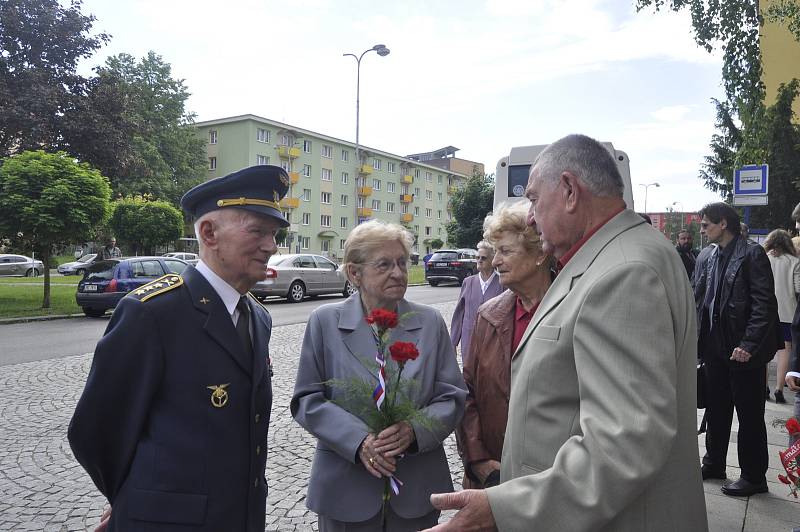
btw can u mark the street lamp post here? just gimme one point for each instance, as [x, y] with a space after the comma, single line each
[646, 188]
[383, 52]
[683, 216]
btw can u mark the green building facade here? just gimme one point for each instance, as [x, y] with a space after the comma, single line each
[330, 192]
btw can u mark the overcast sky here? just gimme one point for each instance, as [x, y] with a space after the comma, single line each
[480, 75]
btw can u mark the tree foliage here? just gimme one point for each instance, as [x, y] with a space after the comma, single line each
[469, 206]
[49, 200]
[142, 224]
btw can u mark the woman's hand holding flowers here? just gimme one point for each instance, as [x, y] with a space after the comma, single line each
[395, 439]
[376, 463]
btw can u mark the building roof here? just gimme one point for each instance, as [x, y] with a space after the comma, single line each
[441, 153]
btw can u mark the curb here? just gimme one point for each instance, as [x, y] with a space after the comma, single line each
[28, 319]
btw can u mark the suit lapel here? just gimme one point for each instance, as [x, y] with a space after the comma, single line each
[357, 334]
[260, 338]
[218, 322]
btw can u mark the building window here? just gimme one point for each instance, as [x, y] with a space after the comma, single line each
[389, 206]
[286, 165]
[285, 141]
[212, 136]
[305, 242]
[427, 231]
[345, 178]
[428, 213]
[307, 146]
[307, 170]
[306, 194]
[404, 208]
[360, 202]
[325, 220]
[439, 179]
[438, 215]
[325, 197]
[376, 164]
[345, 155]
[376, 205]
[212, 163]
[416, 211]
[416, 192]
[306, 218]
[327, 151]
[439, 196]
[390, 167]
[390, 186]
[404, 189]
[288, 216]
[326, 174]
[262, 159]
[428, 176]
[376, 184]
[360, 182]
[325, 245]
[343, 222]
[341, 243]
[416, 173]
[262, 135]
[429, 195]
[344, 200]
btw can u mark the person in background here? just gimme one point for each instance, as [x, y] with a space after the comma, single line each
[786, 272]
[110, 251]
[796, 220]
[475, 291]
[745, 231]
[525, 270]
[686, 251]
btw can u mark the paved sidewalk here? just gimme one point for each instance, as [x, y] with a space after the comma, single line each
[43, 488]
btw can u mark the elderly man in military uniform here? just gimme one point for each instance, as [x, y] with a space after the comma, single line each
[172, 424]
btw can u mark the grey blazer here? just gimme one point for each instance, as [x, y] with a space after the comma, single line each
[337, 341]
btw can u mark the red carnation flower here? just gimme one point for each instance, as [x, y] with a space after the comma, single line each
[792, 425]
[384, 319]
[402, 352]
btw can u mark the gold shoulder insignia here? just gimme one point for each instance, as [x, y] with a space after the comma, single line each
[159, 286]
[254, 298]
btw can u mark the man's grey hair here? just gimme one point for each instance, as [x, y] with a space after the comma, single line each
[220, 217]
[586, 159]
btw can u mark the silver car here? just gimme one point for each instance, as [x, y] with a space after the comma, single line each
[296, 276]
[77, 267]
[191, 258]
[20, 265]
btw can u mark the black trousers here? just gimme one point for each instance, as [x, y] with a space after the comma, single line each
[744, 391]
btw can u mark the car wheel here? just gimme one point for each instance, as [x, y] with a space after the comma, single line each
[297, 291]
[93, 312]
[349, 289]
[433, 283]
[33, 272]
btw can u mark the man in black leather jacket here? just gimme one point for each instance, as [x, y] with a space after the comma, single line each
[738, 335]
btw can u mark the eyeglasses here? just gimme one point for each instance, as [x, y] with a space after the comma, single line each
[480, 258]
[385, 265]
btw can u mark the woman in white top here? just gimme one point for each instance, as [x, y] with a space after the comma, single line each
[786, 271]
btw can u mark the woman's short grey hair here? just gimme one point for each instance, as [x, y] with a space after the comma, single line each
[483, 244]
[511, 218]
[368, 238]
[586, 159]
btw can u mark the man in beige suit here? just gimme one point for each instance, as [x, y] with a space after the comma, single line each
[601, 432]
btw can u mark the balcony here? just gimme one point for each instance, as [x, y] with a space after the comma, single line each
[452, 189]
[365, 191]
[290, 203]
[407, 179]
[407, 217]
[365, 169]
[364, 212]
[287, 152]
[294, 177]
[406, 198]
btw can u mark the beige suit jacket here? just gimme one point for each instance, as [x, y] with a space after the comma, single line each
[601, 431]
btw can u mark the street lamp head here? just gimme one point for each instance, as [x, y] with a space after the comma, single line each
[657, 185]
[381, 49]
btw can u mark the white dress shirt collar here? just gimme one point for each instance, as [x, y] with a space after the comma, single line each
[485, 284]
[229, 295]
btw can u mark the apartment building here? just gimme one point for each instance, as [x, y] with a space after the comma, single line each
[780, 57]
[331, 191]
[446, 159]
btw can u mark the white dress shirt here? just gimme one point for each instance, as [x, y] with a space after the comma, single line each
[229, 295]
[485, 284]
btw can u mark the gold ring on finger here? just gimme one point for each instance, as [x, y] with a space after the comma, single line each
[371, 461]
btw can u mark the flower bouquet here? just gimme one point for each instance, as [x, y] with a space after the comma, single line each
[391, 400]
[790, 458]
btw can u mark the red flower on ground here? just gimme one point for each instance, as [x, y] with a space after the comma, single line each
[384, 319]
[792, 425]
[402, 352]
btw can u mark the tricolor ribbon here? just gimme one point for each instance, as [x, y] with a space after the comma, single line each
[379, 394]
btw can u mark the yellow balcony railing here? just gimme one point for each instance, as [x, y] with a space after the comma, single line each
[406, 198]
[407, 179]
[294, 177]
[365, 169]
[406, 217]
[365, 191]
[364, 211]
[288, 152]
[452, 189]
[290, 203]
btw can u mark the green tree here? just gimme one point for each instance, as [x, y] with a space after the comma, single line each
[41, 43]
[436, 243]
[49, 200]
[469, 206]
[142, 224]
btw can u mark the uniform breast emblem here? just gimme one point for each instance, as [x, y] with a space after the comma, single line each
[219, 395]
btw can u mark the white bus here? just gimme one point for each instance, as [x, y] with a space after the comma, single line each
[511, 175]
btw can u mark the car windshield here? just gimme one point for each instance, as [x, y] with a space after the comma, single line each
[444, 255]
[87, 258]
[101, 271]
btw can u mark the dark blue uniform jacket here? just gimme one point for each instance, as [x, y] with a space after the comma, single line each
[146, 428]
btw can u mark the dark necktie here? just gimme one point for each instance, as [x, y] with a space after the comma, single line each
[243, 325]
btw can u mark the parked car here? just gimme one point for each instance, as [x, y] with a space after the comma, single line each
[20, 265]
[191, 258]
[107, 281]
[451, 265]
[296, 276]
[77, 267]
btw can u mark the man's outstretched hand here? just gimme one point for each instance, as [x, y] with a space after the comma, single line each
[474, 513]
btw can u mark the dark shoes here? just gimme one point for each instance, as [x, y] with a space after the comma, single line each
[708, 473]
[744, 488]
[779, 397]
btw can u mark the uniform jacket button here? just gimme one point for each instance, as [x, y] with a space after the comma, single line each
[258, 417]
